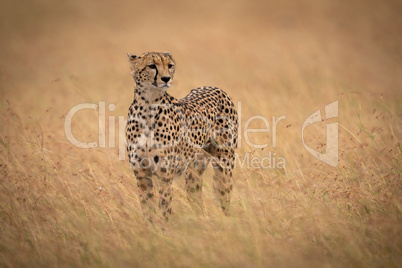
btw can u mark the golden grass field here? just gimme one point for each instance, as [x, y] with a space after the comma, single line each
[63, 206]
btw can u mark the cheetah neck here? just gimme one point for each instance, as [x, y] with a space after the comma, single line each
[149, 96]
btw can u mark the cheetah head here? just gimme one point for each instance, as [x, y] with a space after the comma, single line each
[152, 70]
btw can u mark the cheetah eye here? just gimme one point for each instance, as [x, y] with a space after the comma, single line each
[152, 66]
[170, 65]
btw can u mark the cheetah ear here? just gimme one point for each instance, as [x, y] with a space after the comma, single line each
[166, 53]
[131, 57]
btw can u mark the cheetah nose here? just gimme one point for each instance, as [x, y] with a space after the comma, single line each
[165, 79]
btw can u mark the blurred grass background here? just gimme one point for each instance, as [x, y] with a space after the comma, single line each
[275, 58]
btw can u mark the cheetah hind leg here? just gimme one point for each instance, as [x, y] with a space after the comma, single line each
[194, 179]
[223, 185]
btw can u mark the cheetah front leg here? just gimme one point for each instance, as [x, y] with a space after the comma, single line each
[148, 201]
[194, 187]
[194, 179]
[146, 191]
[165, 198]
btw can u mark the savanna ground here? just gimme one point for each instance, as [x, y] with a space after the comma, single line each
[65, 206]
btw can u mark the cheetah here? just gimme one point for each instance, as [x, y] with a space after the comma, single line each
[167, 137]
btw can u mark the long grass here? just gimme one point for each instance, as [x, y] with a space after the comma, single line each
[65, 206]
